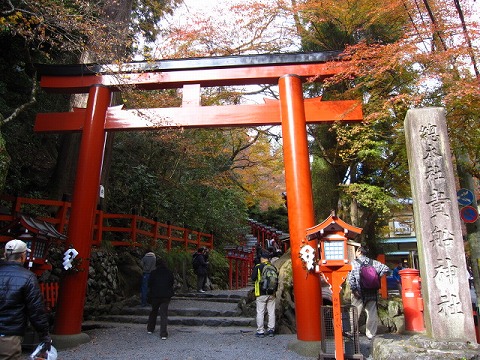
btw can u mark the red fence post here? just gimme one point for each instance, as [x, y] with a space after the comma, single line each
[98, 235]
[185, 238]
[230, 272]
[133, 226]
[169, 235]
[383, 280]
[236, 274]
[155, 233]
[62, 217]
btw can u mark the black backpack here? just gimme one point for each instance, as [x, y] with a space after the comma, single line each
[195, 263]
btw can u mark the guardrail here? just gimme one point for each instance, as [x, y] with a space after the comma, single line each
[117, 229]
[241, 262]
[50, 294]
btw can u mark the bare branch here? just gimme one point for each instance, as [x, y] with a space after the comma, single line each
[24, 106]
[467, 38]
[9, 10]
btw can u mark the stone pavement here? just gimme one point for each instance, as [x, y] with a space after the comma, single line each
[214, 317]
[210, 326]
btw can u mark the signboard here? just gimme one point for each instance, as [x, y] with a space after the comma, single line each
[469, 214]
[465, 197]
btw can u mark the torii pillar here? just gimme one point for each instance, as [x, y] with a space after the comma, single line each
[84, 203]
[292, 112]
[307, 290]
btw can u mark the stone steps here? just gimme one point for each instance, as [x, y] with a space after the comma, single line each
[209, 297]
[215, 308]
[186, 308]
[214, 321]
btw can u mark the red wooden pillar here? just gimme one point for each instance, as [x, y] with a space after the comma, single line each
[383, 280]
[245, 272]
[242, 273]
[236, 273]
[80, 229]
[230, 273]
[298, 181]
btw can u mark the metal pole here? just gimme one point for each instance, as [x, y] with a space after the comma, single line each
[307, 288]
[73, 289]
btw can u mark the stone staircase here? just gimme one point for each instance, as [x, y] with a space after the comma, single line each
[213, 308]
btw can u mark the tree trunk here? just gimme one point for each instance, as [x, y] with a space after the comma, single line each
[63, 178]
[118, 13]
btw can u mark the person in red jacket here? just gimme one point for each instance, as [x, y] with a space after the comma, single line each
[20, 301]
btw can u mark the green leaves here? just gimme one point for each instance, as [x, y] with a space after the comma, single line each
[175, 177]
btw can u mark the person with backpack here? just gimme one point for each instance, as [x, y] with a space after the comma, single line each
[364, 281]
[265, 276]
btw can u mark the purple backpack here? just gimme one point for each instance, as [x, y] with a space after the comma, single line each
[369, 279]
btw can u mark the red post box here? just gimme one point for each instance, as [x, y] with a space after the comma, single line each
[412, 300]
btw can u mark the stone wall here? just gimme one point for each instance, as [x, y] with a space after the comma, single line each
[113, 275]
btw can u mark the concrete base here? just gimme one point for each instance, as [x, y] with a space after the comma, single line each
[306, 348]
[405, 347]
[69, 341]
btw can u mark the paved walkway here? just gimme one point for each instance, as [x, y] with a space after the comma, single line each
[131, 341]
[110, 340]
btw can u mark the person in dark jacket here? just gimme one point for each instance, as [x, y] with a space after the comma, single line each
[200, 267]
[160, 286]
[20, 301]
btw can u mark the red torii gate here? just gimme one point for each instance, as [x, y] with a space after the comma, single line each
[292, 112]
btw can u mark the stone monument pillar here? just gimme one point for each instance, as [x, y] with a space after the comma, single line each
[445, 289]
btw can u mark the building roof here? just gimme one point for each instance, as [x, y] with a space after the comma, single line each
[23, 225]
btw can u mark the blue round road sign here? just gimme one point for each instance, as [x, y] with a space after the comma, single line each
[465, 197]
[469, 214]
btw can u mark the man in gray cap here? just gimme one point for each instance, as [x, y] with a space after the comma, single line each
[20, 300]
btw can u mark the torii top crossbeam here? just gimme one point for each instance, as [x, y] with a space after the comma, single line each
[212, 71]
[190, 75]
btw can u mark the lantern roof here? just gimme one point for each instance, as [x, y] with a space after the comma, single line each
[28, 225]
[332, 224]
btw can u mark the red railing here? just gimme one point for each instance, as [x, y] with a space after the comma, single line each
[117, 229]
[50, 294]
[263, 232]
[241, 262]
